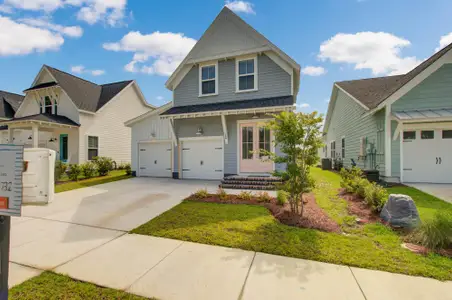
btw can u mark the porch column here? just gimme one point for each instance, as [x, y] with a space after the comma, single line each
[10, 135]
[35, 135]
[388, 141]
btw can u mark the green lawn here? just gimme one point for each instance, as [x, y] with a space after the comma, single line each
[53, 286]
[114, 175]
[253, 228]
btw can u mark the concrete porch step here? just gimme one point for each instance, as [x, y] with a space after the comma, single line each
[248, 182]
[247, 187]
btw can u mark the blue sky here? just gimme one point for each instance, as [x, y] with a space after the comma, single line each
[113, 40]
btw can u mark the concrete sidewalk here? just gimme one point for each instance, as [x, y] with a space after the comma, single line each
[173, 269]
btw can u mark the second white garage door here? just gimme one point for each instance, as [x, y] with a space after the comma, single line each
[155, 159]
[202, 158]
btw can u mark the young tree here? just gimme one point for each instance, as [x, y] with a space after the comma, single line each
[298, 136]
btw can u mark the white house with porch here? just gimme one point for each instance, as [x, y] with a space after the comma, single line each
[76, 118]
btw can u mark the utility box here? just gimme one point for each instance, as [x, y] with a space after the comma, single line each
[38, 175]
[326, 164]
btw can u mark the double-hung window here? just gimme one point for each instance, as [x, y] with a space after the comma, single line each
[246, 70]
[93, 147]
[208, 80]
[47, 105]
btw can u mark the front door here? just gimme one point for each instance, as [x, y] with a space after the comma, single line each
[63, 147]
[253, 138]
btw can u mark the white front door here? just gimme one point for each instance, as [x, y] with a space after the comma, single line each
[155, 159]
[254, 137]
[202, 158]
[427, 156]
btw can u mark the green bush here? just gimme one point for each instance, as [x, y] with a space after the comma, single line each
[88, 169]
[263, 197]
[282, 197]
[222, 194]
[200, 194]
[60, 169]
[245, 195]
[375, 196]
[350, 179]
[104, 165]
[128, 169]
[360, 186]
[74, 172]
[435, 233]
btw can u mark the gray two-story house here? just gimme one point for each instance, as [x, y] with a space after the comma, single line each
[223, 92]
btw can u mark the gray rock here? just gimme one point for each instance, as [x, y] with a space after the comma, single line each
[400, 211]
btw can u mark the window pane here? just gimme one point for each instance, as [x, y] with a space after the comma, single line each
[409, 135]
[447, 134]
[211, 72]
[48, 109]
[246, 82]
[427, 134]
[208, 87]
[47, 101]
[208, 72]
[242, 67]
[250, 66]
[92, 153]
[93, 142]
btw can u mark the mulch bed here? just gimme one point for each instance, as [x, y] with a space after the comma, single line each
[313, 217]
[357, 206]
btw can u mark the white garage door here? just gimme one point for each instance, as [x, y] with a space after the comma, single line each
[427, 156]
[202, 159]
[155, 159]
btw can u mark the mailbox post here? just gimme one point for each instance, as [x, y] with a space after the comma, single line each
[11, 168]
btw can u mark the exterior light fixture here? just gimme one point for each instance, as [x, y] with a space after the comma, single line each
[200, 131]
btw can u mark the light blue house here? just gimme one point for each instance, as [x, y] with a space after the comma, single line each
[224, 91]
[400, 125]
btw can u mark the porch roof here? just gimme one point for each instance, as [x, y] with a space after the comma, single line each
[424, 115]
[43, 118]
[41, 86]
[248, 105]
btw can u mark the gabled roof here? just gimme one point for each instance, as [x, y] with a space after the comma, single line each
[48, 118]
[148, 114]
[9, 103]
[373, 91]
[229, 36]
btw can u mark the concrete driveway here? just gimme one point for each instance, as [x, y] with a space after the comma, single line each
[78, 221]
[441, 191]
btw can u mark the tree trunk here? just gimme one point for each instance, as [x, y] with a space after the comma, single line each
[302, 205]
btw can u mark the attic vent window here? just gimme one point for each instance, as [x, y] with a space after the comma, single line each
[246, 70]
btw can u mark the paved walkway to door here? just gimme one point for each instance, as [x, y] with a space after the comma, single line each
[84, 234]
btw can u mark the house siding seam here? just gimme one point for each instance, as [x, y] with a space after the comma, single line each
[108, 125]
[273, 81]
[347, 121]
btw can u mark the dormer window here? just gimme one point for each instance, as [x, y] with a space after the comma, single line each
[208, 79]
[47, 105]
[246, 70]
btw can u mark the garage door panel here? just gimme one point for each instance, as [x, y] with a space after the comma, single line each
[155, 159]
[202, 159]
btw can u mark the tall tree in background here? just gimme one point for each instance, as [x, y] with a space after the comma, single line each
[298, 135]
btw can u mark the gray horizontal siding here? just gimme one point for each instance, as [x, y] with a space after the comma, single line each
[273, 81]
[348, 121]
[434, 92]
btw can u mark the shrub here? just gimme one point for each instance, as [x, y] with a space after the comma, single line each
[222, 194]
[245, 195]
[128, 169]
[74, 172]
[200, 194]
[88, 169]
[263, 197]
[435, 233]
[350, 178]
[375, 196]
[104, 165]
[360, 186]
[60, 169]
[281, 197]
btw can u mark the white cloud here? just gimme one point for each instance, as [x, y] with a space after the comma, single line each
[377, 51]
[21, 39]
[80, 69]
[71, 31]
[444, 41]
[6, 9]
[46, 5]
[159, 98]
[313, 71]
[303, 105]
[241, 6]
[167, 50]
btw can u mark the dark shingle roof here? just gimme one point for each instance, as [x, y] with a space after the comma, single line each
[41, 86]
[373, 91]
[47, 118]
[231, 105]
[9, 103]
[86, 95]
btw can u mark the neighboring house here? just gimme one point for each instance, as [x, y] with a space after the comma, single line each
[77, 118]
[223, 92]
[400, 125]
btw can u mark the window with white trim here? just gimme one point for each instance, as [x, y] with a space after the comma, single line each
[343, 148]
[246, 74]
[333, 149]
[208, 80]
[93, 147]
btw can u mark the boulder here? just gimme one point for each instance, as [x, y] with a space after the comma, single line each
[400, 211]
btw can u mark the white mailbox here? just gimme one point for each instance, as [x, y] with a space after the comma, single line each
[38, 178]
